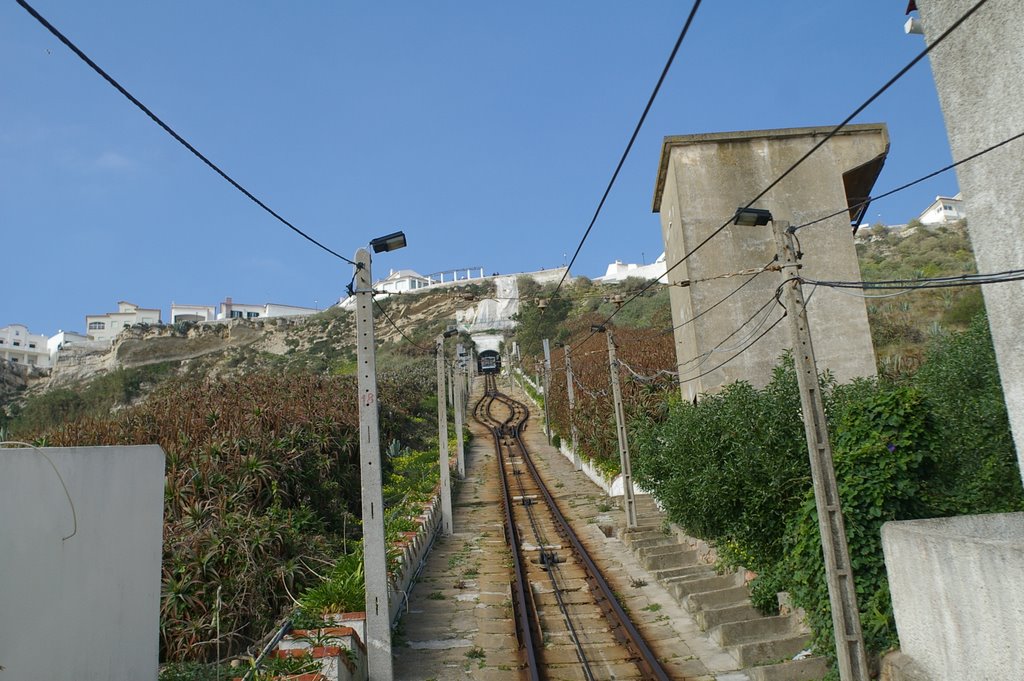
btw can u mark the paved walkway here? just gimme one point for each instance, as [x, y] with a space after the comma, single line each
[459, 624]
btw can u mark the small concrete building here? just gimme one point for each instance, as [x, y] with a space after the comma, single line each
[19, 346]
[702, 179]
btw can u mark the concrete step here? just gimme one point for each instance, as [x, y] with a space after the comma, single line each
[669, 548]
[807, 669]
[669, 574]
[719, 598]
[630, 536]
[765, 652]
[667, 560]
[654, 541]
[713, 617]
[747, 631]
[684, 588]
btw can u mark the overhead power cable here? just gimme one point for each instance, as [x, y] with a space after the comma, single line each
[910, 184]
[632, 139]
[931, 282]
[748, 346]
[170, 131]
[727, 297]
[846, 121]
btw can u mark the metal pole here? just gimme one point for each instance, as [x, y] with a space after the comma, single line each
[460, 452]
[571, 389]
[620, 429]
[442, 443]
[375, 566]
[547, 385]
[842, 593]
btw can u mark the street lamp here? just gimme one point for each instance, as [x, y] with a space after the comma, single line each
[851, 656]
[388, 242]
[752, 217]
[375, 566]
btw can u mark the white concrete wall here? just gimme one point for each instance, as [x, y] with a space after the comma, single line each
[956, 592]
[85, 608]
[978, 76]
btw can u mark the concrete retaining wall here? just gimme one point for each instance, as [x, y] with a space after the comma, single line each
[956, 593]
[978, 76]
[80, 571]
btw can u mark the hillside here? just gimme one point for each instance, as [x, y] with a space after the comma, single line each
[902, 324]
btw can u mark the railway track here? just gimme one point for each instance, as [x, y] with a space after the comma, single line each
[568, 621]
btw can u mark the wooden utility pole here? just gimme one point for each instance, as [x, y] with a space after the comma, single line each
[571, 390]
[375, 566]
[620, 429]
[850, 652]
[547, 385]
[460, 451]
[442, 443]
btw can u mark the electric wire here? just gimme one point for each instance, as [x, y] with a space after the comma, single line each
[930, 282]
[857, 111]
[169, 130]
[912, 183]
[632, 139]
[730, 295]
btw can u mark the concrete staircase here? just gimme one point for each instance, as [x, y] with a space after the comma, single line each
[763, 646]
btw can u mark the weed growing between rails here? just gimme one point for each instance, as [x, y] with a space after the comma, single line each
[732, 469]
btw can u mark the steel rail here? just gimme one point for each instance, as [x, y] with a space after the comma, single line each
[551, 566]
[525, 614]
[624, 629]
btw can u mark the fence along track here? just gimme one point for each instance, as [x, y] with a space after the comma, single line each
[569, 623]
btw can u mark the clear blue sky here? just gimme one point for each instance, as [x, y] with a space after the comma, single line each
[487, 131]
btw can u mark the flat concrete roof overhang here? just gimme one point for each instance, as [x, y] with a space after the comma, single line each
[857, 181]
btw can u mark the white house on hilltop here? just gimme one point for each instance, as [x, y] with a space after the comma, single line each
[619, 271]
[192, 313]
[62, 340]
[107, 326]
[19, 346]
[401, 281]
[944, 209]
[232, 310]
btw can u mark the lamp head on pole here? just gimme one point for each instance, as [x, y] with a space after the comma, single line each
[597, 328]
[752, 217]
[388, 242]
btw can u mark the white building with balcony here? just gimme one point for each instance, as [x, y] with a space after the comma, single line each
[19, 346]
[192, 313]
[944, 209]
[108, 326]
[402, 281]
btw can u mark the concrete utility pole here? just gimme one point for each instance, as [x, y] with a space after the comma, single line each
[547, 386]
[375, 566]
[842, 593]
[442, 443]
[620, 428]
[571, 390]
[460, 451]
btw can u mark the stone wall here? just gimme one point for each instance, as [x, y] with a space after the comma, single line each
[955, 585]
